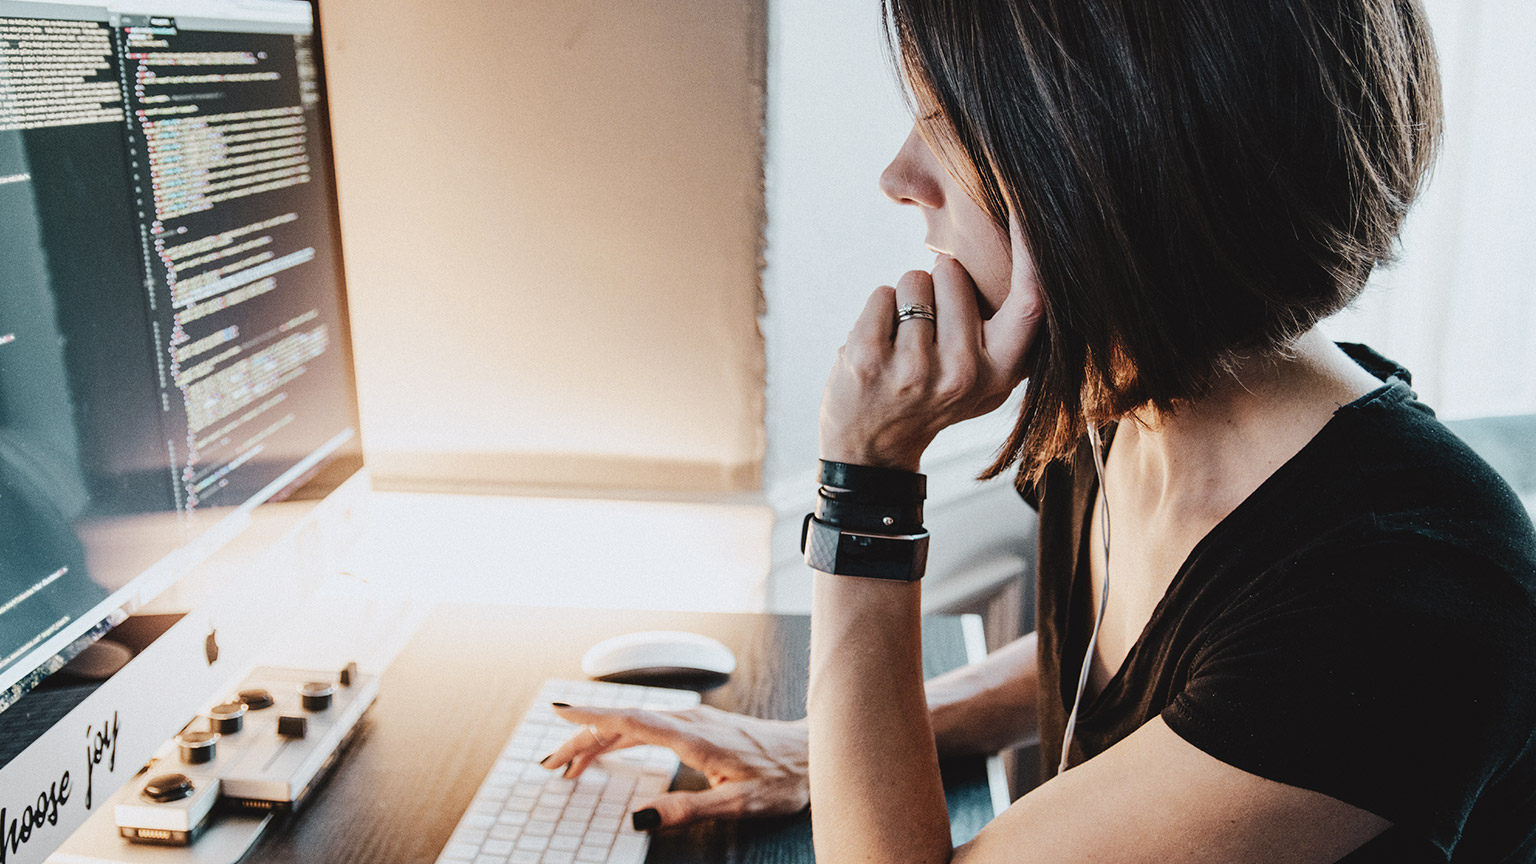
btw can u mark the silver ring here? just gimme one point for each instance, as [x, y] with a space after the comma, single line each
[916, 310]
[592, 730]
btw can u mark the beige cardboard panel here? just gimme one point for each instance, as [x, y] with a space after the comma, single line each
[552, 216]
[561, 474]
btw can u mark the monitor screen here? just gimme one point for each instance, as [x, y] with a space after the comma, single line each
[173, 331]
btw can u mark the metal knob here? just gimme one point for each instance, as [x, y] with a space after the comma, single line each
[316, 695]
[197, 747]
[227, 718]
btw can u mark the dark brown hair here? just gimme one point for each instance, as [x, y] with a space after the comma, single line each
[1197, 180]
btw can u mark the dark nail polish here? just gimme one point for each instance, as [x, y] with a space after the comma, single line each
[645, 820]
[545, 760]
[561, 704]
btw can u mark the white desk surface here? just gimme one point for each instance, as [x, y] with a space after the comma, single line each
[418, 550]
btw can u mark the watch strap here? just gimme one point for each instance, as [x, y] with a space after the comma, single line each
[829, 549]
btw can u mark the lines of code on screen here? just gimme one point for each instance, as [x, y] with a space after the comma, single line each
[237, 244]
[56, 73]
[171, 333]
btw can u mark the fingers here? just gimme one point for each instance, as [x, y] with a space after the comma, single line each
[876, 324]
[584, 746]
[727, 801]
[618, 728]
[955, 296]
[1011, 331]
[914, 334]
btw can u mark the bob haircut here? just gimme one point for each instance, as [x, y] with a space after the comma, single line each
[1198, 181]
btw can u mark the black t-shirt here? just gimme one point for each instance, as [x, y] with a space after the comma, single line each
[1363, 625]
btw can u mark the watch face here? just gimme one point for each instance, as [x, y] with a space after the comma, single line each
[829, 550]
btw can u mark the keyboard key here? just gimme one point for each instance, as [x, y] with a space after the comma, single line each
[604, 826]
[628, 849]
[651, 786]
[590, 782]
[533, 844]
[469, 836]
[525, 814]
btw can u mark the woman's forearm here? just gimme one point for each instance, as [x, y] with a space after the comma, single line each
[988, 706]
[874, 769]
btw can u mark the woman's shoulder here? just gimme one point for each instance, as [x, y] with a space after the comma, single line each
[1414, 483]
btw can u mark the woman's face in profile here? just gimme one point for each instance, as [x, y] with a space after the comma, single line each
[957, 225]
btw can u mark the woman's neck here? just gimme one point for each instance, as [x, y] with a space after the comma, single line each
[1212, 453]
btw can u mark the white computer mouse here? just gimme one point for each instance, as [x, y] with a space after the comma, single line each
[658, 652]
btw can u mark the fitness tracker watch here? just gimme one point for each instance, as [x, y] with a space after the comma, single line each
[830, 549]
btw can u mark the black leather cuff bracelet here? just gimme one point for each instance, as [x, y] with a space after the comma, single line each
[870, 518]
[873, 485]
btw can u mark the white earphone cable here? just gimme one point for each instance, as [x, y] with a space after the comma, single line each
[1093, 638]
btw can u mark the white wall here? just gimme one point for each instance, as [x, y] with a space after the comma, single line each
[552, 218]
[1459, 308]
[835, 119]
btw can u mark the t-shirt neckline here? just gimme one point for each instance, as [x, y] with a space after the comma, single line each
[1393, 389]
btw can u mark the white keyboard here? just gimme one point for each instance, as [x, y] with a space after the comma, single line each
[524, 813]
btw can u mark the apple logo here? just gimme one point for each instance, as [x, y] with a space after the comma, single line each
[211, 646]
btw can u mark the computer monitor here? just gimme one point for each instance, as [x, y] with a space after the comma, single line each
[178, 415]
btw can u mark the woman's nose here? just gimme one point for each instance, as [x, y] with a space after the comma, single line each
[910, 179]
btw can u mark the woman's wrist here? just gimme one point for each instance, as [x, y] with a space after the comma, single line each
[855, 449]
[868, 522]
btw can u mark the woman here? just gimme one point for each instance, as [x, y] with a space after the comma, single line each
[1321, 642]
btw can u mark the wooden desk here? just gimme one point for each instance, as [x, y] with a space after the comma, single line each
[454, 694]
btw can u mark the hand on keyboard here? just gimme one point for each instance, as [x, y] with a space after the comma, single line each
[755, 767]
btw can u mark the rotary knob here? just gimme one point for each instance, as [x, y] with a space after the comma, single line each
[168, 787]
[197, 748]
[316, 695]
[256, 699]
[227, 718]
